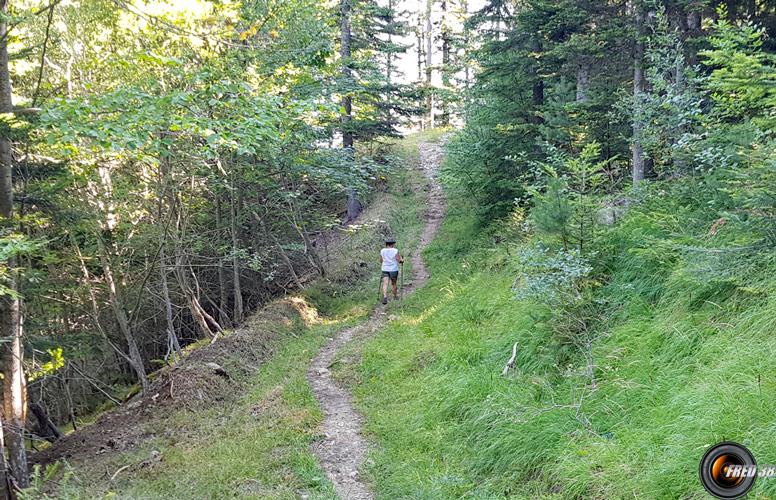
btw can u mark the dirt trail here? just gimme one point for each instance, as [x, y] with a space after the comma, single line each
[342, 452]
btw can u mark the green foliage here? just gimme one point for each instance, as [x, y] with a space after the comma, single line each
[381, 103]
[568, 209]
[183, 154]
[672, 108]
[549, 277]
[258, 444]
[741, 81]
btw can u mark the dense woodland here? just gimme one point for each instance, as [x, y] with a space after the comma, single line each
[173, 165]
[167, 167]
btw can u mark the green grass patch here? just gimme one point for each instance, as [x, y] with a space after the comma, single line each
[683, 357]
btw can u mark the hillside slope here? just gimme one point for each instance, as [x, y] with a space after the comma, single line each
[672, 353]
[238, 417]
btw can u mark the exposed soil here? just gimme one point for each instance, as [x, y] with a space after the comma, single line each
[341, 453]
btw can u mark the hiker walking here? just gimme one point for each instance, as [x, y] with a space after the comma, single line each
[390, 259]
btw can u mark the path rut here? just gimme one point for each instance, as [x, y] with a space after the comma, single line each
[341, 453]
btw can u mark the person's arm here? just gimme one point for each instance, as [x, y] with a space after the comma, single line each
[399, 258]
[381, 257]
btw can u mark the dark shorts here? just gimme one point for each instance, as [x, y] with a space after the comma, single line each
[391, 274]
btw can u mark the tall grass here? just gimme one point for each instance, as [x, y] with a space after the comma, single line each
[683, 357]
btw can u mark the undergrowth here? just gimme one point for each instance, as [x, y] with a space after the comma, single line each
[257, 444]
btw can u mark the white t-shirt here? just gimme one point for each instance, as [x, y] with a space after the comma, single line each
[389, 259]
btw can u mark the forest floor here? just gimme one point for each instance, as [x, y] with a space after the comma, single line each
[341, 453]
[238, 417]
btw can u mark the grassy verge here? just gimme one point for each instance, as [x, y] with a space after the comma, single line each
[258, 444]
[683, 350]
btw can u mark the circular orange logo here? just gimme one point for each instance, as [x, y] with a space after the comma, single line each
[728, 470]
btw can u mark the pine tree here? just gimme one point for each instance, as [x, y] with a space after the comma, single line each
[380, 102]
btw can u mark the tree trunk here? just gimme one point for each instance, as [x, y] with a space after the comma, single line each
[290, 265]
[347, 101]
[238, 312]
[6, 489]
[172, 338]
[638, 90]
[583, 81]
[116, 302]
[93, 300]
[445, 120]
[312, 252]
[419, 40]
[466, 42]
[203, 319]
[223, 305]
[429, 62]
[14, 385]
[173, 346]
[389, 52]
[353, 205]
[46, 428]
[538, 84]
[694, 31]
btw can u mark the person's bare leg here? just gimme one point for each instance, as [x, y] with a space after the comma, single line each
[395, 288]
[385, 287]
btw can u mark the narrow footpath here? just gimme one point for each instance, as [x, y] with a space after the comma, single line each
[341, 454]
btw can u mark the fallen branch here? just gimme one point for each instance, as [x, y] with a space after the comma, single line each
[117, 472]
[511, 362]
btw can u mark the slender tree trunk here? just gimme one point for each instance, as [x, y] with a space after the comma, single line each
[120, 312]
[204, 320]
[538, 83]
[345, 55]
[234, 215]
[694, 22]
[638, 90]
[309, 249]
[445, 63]
[466, 42]
[93, 300]
[182, 268]
[429, 63]
[389, 52]
[583, 80]
[419, 37]
[312, 252]
[353, 205]
[46, 428]
[283, 255]
[290, 265]
[6, 489]
[12, 352]
[223, 305]
[172, 337]
[419, 40]
[173, 345]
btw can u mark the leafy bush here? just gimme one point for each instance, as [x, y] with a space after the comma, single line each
[549, 276]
